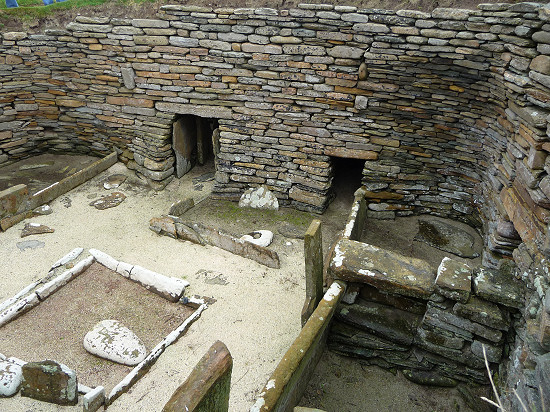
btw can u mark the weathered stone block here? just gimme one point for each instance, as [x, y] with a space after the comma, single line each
[390, 323]
[386, 270]
[12, 200]
[50, 381]
[207, 387]
[498, 287]
[454, 280]
[484, 312]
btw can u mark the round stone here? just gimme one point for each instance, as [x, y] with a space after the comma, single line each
[10, 378]
[111, 340]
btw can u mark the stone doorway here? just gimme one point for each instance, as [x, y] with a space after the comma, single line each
[195, 140]
[347, 178]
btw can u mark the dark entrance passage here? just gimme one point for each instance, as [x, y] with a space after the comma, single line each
[195, 140]
[348, 174]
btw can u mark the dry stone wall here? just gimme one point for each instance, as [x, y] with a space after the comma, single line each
[439, 105]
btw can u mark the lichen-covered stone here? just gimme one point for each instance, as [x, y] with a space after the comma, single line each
[50, 381]
[499, 287]
[454, 280]
[10, 378]
[259, 198]
[360, 262]
[109, 339]
[484, 312]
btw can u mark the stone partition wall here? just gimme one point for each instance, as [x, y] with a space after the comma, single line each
[447, 109]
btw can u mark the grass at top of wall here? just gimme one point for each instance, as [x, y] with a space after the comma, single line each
[35, 9]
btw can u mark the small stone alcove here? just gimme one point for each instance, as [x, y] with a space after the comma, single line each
[195, 140]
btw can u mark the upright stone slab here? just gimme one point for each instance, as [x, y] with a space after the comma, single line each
[12, 199]
[50, 381]
[313, 254]
[184, 143]
[207, 387]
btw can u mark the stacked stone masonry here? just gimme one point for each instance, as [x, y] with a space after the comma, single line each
[448, 110]
[399, 313]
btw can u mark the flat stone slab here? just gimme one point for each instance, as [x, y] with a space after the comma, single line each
[109, 339]
[10, 378]
[50, 381]
[106, 202]
[114, 181]
[445, 236]
[386, 270]
[390, 323]
[498, 287]
[35, 229]
[259, 198]
[30, 244]
[454, 280]
[484, 312]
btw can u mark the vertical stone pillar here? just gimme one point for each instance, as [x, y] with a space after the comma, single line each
[313, 254]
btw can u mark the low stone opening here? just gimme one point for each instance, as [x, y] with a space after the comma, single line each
[347, 175]
[195, 140]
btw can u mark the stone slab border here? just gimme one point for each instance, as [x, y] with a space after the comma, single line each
[170, 288]
[357, 216]
[286, 385]
[198, 233]
[59, 188]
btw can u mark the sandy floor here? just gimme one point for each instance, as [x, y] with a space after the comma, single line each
[342, 384]
[257, 312]
[257, 309]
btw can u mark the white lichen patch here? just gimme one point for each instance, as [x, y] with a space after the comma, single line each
[352, 219]
[260, 402]
[367, 272]
[270, 384]
[338, 258]
[334, 290]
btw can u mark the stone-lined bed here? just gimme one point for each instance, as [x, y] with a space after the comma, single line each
[70, 304]
[55, 328]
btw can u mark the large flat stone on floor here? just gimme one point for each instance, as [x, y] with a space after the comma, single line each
[386, 270]
[50, 381]
[109, 339]
[445, 236]
[499, 287]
